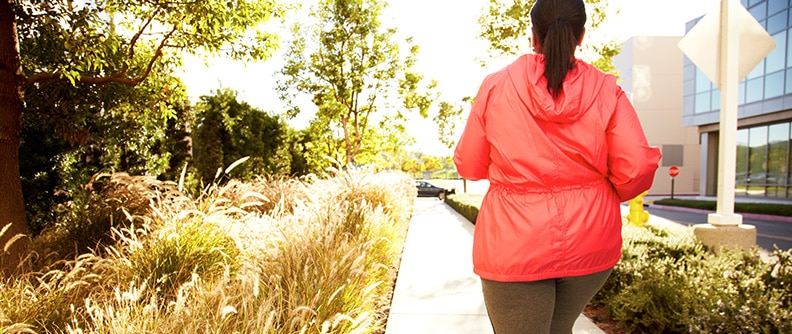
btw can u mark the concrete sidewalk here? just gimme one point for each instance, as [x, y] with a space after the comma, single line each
[436, 289]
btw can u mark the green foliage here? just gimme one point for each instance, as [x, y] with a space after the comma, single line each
[120, 40]
[466, 204]
[70, 132]
[506, 26]
[99, 75]
[775, 209]
[448, 117]
[667, 282]
[352, 70]
[227, 130]
[57, 159]
[182, 249]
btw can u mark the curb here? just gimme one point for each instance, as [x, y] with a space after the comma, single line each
[746, 215]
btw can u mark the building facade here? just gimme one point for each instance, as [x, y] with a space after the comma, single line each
[764, 135]
[651, 72]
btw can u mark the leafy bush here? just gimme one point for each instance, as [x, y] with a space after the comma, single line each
[667, 282]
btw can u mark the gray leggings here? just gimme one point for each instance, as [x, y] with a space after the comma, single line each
[547, 306]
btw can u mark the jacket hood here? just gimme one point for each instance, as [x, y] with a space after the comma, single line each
[580, 89]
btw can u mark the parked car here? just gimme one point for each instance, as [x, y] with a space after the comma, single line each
[426, 189]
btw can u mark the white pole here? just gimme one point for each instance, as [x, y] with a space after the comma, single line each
[727, 158]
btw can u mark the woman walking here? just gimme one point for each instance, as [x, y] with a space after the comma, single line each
[562, 147]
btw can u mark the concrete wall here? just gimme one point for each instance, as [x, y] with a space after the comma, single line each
[651, 73]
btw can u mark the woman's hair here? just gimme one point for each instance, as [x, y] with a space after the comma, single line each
[559, 25]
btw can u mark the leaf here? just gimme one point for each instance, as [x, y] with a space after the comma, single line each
[236, 163]
[11, 242]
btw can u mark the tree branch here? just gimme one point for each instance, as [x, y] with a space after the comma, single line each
[131, 54]
[117, 78]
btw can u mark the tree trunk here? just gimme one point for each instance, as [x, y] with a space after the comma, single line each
[13, 257]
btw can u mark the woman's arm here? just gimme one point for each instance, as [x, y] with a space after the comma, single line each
[631, 161]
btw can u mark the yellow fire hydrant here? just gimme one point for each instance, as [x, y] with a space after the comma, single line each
[637, 216]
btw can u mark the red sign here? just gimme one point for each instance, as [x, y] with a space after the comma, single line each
[673, 171]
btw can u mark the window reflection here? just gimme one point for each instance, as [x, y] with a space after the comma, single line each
[741, 184]
[777, 160]
[754, 90]
[757, 161]
[774, 85]
[776, 58]
[703, 102]
[777, 22]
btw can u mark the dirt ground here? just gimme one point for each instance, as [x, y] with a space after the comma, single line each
[602, 319]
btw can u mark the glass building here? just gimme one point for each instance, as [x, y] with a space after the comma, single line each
[764, 140]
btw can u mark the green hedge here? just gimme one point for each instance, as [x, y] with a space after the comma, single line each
[759, 208]
[466, 204]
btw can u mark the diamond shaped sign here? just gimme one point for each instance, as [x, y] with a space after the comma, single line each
[702, 44]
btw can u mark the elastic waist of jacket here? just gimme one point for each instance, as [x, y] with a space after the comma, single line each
[540, 189]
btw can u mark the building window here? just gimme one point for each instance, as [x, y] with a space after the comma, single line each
[759, 11]
[703, 83]
[789, 166]
[764, 155]
[754, 90]
[787, 48]
[777, 160]
[673, 155]
[776, 5]
[777, 22]
[703, 102]
[788, 81]
[775, 61]
[774, 85]
[741, 178]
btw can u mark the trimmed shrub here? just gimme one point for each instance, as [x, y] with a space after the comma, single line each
[466, 204]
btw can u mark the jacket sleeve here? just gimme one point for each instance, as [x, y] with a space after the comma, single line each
[472, 152]
[631, 161]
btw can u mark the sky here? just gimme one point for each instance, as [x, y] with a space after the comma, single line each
[446, 32]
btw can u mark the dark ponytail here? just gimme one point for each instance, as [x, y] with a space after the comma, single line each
[559, 26]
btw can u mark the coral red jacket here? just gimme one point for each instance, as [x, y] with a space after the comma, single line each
[558, 170]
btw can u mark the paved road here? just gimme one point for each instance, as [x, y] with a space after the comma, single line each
[769, 232]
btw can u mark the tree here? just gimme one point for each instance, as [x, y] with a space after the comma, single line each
[448, 117]
[228, 130]
[87, 33]
[506, 26]
[69, 133]
[354, 72]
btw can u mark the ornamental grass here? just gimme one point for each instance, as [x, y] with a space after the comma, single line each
[273, 255]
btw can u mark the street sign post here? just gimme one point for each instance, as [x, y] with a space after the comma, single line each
[726, 45]
[673, 171]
